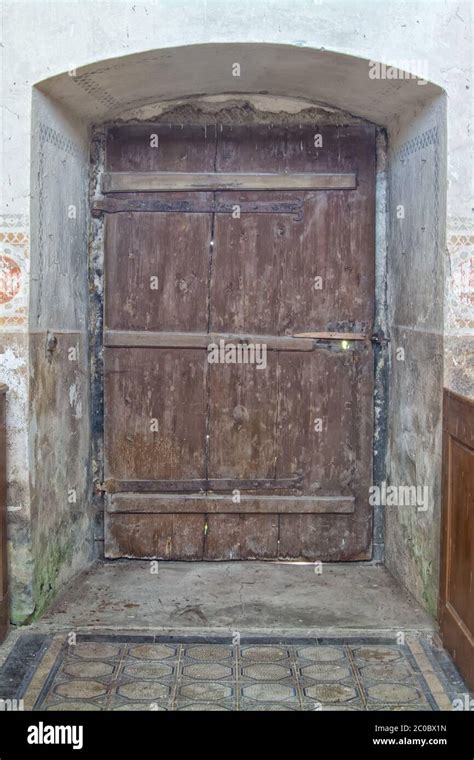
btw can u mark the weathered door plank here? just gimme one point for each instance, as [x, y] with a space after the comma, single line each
[252, 504]
[198, 204]
[142, 338]
[143, 182]
[213, 484]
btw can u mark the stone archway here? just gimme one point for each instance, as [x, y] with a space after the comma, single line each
[63, 525]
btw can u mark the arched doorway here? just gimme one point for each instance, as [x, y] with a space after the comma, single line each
[65, 107]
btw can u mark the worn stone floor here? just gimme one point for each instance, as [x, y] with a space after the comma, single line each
[230, 636]
[242, 596]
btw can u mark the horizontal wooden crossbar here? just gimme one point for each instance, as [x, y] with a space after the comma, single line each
[146, 339]
[332, 336]
[134, 182]
[132, 503]
[196, 204]
[112, 485]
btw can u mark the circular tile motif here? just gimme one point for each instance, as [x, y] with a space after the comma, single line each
[266, 672]
[92, 669]
[75, 689]
[330, 692]
[207, 671]
[91, 650]
[143, 690]
[263, 653]
[393, 692]
[152, 651]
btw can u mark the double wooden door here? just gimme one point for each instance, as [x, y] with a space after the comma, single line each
[260, 242]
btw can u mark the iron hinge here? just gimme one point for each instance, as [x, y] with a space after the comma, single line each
[379, 339]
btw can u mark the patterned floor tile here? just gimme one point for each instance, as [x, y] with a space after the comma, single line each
[207, 671]
[266, 672]
[321, 653]
[138, 707]
[122, 673]
[312, 705]
[208, 652]
[264, 653]
[388, 671]
[94, 650]
[152, 651]
[376, 654]
[251, 706]
[88, 669]
[73, 706]
[326, 671]
[331, 692]
[146, 669]
[207, 691]
[270, 692]
[80, 689]
[148, 691]
[203, 707]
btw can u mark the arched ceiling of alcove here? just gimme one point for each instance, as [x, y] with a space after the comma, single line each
[106, 89]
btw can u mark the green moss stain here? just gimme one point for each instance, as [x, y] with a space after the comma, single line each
[422, 546]
[21, 571]
[49, 564]
[430, 586]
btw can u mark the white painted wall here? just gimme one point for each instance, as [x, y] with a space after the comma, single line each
[41, 39]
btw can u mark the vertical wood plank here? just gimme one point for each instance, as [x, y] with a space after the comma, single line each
[167, 537]
[242, 419]
[241, 537]
[162, 385]
[160, 147]
[156, 271]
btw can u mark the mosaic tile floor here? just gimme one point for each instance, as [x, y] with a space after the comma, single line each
[144, 673]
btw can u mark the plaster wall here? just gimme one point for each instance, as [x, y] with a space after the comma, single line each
[416, 277]
[59, 397]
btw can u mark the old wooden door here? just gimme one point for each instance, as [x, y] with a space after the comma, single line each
[456, 602]
[254, 237]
